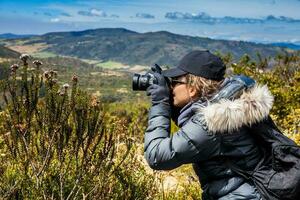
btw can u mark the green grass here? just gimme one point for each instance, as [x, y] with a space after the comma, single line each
[14, 42]
[90, 61]
[44, 54]
[111, 65]
[107, 65]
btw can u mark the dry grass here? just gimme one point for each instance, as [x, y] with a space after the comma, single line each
[5, 60]
[107, 73]
[29, 49]
[138, 68]
[176, 180]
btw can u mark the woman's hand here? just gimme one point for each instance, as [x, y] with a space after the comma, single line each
[159, 92]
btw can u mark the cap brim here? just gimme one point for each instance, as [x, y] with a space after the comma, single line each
[173, 72]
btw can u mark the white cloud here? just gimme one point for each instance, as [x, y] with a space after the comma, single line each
[55, 20]
[99, 13]
[93, 13]
[206, 18]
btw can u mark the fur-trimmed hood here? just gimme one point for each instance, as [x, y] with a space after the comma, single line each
[229, 115]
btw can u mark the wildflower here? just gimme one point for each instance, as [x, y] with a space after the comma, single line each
[53, 73]
[46, 74]
[37, 63]
[21, 128]
[24, 58]
[66, 86]
[75, 79]
[14, 67]
[94, 101]
[92, 168]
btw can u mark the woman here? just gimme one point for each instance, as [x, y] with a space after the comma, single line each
[213, 119]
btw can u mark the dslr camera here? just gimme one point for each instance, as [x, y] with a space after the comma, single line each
[142, 82]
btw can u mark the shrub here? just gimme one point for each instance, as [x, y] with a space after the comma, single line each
[282, 76]
[61, 145]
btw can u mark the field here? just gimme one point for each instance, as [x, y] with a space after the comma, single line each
[29, 49]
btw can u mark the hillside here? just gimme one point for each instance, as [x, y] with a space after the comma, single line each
[109, 85]
[132, 48]
[13, 36]
[8, 53]
[287, 45]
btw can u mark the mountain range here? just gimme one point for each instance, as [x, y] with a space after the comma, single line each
[13, 36]
[129, 47]
[287, 45]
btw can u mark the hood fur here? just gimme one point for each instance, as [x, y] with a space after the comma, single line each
[229, 115]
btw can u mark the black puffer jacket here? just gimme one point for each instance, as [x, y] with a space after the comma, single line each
[210, 134]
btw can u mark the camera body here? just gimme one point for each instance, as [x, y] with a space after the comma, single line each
[142, 82]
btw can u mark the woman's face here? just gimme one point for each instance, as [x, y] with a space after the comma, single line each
[182, 94]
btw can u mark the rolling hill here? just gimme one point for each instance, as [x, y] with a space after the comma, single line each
[8, 53]
[13, 36]
[287, 45]
[129, 47]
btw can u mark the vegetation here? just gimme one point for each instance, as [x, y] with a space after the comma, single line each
[63, 141]
[282, 75]
[109, 85]
[8, 53]
[62, 145]
[44, 54]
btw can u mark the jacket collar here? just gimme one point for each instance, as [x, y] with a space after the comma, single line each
[226, 115]
[189, 110]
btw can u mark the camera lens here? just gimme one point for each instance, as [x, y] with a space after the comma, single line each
[141, 82]
[135, 81]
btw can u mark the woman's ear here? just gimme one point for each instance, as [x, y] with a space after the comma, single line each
[192, 92]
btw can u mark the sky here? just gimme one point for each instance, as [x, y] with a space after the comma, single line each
[247, 20]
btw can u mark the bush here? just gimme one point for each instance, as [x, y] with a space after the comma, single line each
[282, 76]
[61, 145]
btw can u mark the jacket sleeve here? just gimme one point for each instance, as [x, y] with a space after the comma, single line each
[165, 151]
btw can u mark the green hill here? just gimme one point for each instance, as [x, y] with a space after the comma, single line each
[8, 53]
[128, 47]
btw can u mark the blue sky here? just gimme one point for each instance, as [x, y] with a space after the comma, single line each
[255, 20]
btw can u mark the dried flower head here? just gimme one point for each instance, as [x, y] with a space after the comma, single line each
[53, 73]
[24, 58]
[37, 63]
[95, 101]
[47, 74]
[21, 128]
[14, 67]
[61, 93]
[66, 86]
[75, 79]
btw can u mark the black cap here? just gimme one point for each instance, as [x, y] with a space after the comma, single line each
[199, 63]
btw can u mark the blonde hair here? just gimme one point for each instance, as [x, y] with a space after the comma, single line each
[205, 87]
